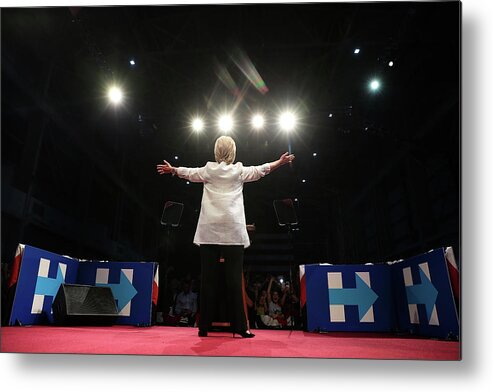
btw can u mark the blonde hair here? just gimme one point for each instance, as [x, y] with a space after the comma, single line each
[225, 150]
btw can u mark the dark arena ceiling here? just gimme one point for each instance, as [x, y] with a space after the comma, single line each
[385, 181]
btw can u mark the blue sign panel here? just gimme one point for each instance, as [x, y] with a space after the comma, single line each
[423, 293]
[131, 284]
[348, 298]
[41, 274]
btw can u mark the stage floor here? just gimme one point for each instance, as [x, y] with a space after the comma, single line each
[183, 341]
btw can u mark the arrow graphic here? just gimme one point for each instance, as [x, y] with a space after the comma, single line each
[123, 291]
[362, 295]
[49, 286]
[424, 293]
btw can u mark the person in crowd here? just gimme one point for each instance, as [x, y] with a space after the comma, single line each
[290, 304]
[275, 316]
[186, 305]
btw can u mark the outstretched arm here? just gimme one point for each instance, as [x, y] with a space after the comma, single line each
[166, 168]
[285, 158]
[253, 173]
[197, 174]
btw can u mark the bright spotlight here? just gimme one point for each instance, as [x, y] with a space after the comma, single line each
[314, 154]
[391, 63]
[197, 124]
[132, 62]
[258, 121]
[374, 85]
[226, 123]
[115, 95]
[356, 51]
[287, 121]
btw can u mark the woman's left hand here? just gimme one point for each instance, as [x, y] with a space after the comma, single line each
[165, 169]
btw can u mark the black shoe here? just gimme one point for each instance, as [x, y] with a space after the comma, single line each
[244, 334]
[202, 333]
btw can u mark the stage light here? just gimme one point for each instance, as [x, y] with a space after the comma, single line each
[258, 121]
[287, 121]
[188, 182]
[115, 95]
[314, 154]
[197, 124]
[374, 85]
[303, 181]
[176, 157]
[391, 63]
[330, 114]
[225, 123]
[356, 51]
[132, 62]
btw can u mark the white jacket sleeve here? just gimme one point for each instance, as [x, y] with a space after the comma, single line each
[196, 174]
[253, 173]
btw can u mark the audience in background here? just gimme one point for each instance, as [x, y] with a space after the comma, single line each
[271, 302]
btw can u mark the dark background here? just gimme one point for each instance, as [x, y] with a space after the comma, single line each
[79, 176]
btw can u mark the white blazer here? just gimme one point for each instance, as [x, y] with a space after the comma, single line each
[222, 213]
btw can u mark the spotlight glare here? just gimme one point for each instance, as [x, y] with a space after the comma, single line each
[197, 124]
[374, 85]
[356, 51]
[391, 63]
[287, 121]
[303, 181]
[115, 95]
[226, 123]
[314, 154]
[132, 62]
[258, 121]
[176, 157]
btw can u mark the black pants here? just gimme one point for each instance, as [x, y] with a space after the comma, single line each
[233, 264]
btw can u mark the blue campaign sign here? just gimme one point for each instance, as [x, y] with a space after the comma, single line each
[131, 284]
[425, 303]
[349, 298]
[41, 274]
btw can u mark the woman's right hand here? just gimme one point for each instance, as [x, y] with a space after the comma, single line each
[286, 158]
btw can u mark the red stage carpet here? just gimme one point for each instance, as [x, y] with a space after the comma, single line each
[160, 340]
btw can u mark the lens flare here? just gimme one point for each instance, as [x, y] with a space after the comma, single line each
[197, 124]
[258, 121]
[115, 95]
[287, 121]
[226, 123]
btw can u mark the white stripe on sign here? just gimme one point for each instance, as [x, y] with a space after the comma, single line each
[413, 313]
[44, 266]
[335, 280]
[129, 273]
[408, 277]
[38, 301]
[102, 275]
[337, 314]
